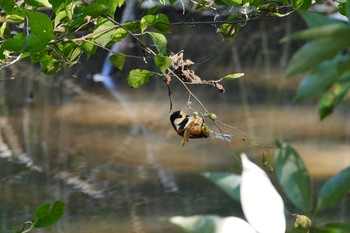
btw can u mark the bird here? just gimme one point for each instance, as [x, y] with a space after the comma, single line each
[193, 126]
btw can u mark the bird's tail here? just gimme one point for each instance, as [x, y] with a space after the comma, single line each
[222, 136]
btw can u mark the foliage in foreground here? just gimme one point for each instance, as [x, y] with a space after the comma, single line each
[294, 179]
[45, 215]
[324, 59]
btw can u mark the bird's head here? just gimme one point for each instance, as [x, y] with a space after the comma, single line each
[179, 120]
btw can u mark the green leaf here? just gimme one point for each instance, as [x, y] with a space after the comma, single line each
[58, 5]
[232, 76]
[88, 47]
[104, 32]
[36, 42]
[118, 2]
[59, 16]
[330, 100]
[119, 34]
[118, 60]
[159, 22]
[72, 52]
[293, 176]
[95, 9]
[197, 223]
[12, 44]
[228, 31]
[328, 30]
[112, 5]
[38, 3]
[51, 67]
[44, 27]
[7, 5]
[139, 77]
[314, 52]
[162, 62]
[320, 79]
[232, 2]
[159, 41]
[47, 215]
[228, 182]
[314, 19]
[332, 228]
[347, 9]
[132, 25]
[42, 210]
[17, 15]
[69, 8]
[334, 190]
[301, 4]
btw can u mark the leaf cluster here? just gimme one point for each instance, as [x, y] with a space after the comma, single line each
[324, 59]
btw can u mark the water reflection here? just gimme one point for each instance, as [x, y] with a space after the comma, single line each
[118, 173]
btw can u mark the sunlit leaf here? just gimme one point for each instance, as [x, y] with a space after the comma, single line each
[159, 22]
[232, 2]
[38, 3]
[228, 31]
[293, 176]
[119, 35]
[118, 60]
[331, 99]
[74, 54]
[334, 190]
[259, 195]
[139, 77]
[162, 62]
[51, 68]
[159, 41]
[104, 32]
[47, 214]
[118, 2]
[59, 16]
[228, 182]
[301, 4]
[88, 47]
[314, 52]
[233, 76]
[58, 5]
[112, 5]
[70, 9]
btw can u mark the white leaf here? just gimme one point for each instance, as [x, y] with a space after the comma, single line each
[262, 205]
[234, 224]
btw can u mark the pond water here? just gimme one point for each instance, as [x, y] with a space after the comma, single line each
[118, 164]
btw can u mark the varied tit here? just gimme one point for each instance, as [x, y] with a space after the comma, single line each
[193, 127]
